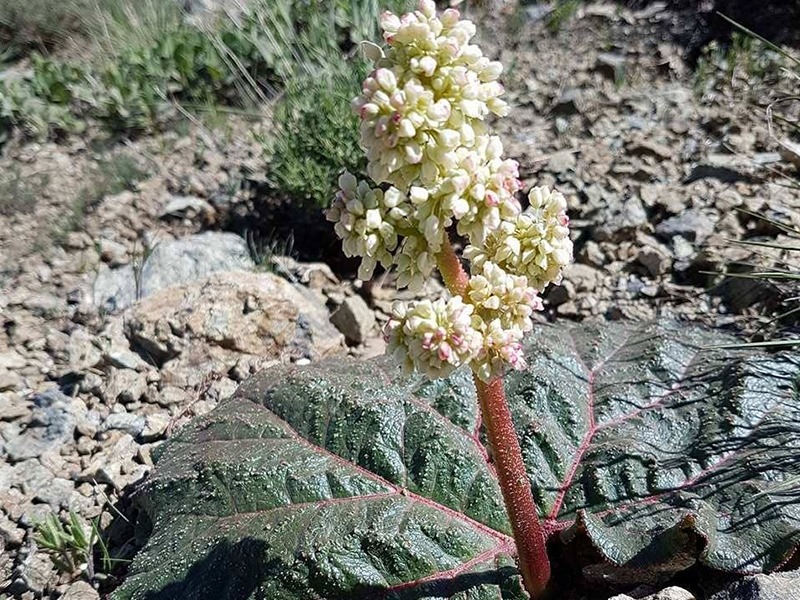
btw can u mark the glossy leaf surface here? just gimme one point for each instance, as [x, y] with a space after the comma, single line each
[346, 480]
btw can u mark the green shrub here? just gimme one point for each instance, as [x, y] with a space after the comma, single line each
[135, 90]
[317, 133]
[317, 136]
[151, 59]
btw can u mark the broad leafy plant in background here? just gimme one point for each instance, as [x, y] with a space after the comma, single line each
[636, 450]
[648, 451]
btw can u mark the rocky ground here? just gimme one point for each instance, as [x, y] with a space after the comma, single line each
[124, 314]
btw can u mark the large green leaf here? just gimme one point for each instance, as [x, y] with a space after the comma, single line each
[345, 480]
[665, 449]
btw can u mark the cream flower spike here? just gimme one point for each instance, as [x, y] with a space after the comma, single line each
[427, 97]
[436, 168]
[433, 337]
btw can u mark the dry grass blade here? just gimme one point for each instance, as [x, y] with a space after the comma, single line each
[769, 344]
[770, 45]
[783, 273]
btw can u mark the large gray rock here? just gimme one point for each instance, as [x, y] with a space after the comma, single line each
[776, 586]
[171, 263]
[210, 325]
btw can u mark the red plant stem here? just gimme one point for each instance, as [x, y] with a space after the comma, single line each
[455, 278]
[529, 535]
[528, 532]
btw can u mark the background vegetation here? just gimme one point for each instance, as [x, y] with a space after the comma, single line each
[149, 64]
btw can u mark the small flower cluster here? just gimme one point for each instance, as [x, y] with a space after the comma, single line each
[427, 97]
[535, 243]
[434, 337]
[422, 114]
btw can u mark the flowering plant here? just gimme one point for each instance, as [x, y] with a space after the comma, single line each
[435, 167]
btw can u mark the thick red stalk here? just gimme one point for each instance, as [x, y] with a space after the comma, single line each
[455, 278]
[528, 532]
[529, 535]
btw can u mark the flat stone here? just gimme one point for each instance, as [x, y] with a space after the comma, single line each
[124, 359]
[40, 485]
[80, 590]
[52, 425]
[562, 162]
[82, 353]
[34, 573]
[186, 207]
[13, 406]
[112, 252]
[127, 422]
[655, 262]
[10, 534]
[620, 221]
[652, 255]
[9, 381]
[172, 396]
[672, 593]
[125, 385]
[316, 276]
[650, 148]
[11, 360]
[155, 426]
[6, 475]
[583, 277]
[592, 254]
[114, 465]
[354, 319]
[691, 224]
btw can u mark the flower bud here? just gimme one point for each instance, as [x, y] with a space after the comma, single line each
[386, 79]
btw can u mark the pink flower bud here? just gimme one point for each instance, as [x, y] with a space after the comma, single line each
[389, 21]
[427, 8]
[450, 17]
[368, 111]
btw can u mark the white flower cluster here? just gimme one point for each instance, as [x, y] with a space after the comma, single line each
[535, 243]
[427, 97]
[422, 114]
[434, 337]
